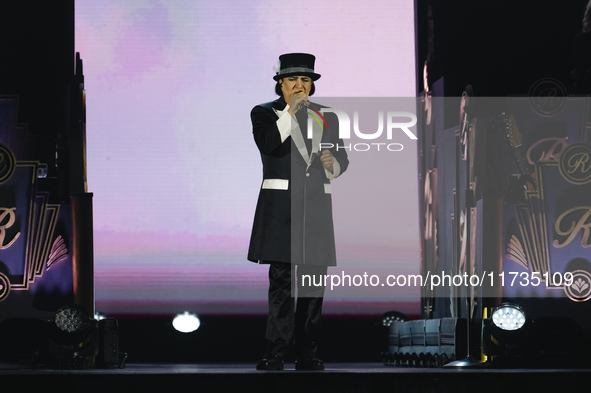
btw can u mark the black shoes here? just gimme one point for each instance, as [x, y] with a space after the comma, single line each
[273, 363]
[309, 364]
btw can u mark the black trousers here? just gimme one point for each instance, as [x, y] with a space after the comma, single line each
[287, 326]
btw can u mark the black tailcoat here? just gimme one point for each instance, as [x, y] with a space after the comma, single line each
[293, 219]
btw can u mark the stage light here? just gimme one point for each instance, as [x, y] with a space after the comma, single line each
[186, 323]
[392, 316]
[507, 337]
[508, 316]
[73, 340]
[99, 316]
[71, 319]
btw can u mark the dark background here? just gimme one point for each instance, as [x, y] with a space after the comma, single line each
[500, 47]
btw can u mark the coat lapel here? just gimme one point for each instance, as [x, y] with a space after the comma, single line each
[304, 123]
[301, 131]
[317, 133]
[298, 135]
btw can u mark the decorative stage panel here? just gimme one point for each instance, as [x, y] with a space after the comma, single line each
[35, 232]
[505, 204]
[546, 231]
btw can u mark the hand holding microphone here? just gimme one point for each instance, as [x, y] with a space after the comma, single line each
[298, 104]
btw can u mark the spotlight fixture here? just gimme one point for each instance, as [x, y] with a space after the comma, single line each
[508, 316]
[71, 319]
[506, 336]
[73, 340]
[392, 316]
[186, 322]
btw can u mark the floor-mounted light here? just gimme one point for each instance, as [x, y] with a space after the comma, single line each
[392, 316]
[505, 335]
[72, 319]
[73, 340]
[508, 316]
[186, 322]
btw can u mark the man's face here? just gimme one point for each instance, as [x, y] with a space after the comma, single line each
[295, 86]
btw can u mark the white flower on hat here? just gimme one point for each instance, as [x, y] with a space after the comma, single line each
[277, 67]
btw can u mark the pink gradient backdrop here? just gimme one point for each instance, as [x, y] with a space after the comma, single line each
[172, 163]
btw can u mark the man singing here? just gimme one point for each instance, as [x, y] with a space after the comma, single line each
[293, 228]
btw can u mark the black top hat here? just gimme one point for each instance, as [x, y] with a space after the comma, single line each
[292, 64]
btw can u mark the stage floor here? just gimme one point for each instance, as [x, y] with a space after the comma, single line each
[338, 377]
